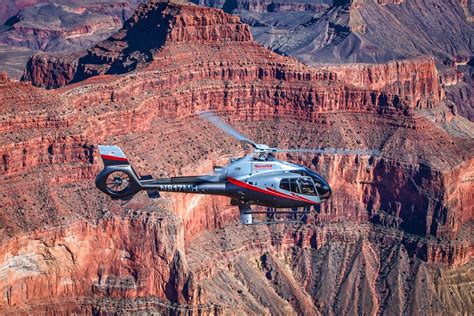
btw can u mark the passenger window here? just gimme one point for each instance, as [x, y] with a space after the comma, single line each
[291, 185]
[285, 184]
[294, 186]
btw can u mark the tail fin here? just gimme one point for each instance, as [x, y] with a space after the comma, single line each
[112, 156]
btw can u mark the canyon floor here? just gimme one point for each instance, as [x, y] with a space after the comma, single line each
[395, 237]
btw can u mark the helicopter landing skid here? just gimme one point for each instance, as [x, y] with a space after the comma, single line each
[246, 216]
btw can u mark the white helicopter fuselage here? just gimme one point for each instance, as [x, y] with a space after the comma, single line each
[274, 183]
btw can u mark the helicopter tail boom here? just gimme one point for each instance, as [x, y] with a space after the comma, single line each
[119, 180]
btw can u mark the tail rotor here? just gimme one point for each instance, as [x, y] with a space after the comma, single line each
[117, 179]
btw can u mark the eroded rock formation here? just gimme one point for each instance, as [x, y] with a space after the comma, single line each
[136, 43]
[395, 235]
[371, 31]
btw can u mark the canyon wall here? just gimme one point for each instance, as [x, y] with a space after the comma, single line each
[52, 27]
[394, 90]
[137, 255]
[267, 5]
[371, 31]
[34, 26]
[393, 237]
[360, 3]
[10, 8]
[417, 80]
[370, 274]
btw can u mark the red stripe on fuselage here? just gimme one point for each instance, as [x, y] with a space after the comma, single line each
[268, 191]
[114, 158]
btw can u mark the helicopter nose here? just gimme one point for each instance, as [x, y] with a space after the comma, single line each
[326, 195]
[325, 191]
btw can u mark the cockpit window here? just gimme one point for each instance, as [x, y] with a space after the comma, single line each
[303, 185]
[322, 186]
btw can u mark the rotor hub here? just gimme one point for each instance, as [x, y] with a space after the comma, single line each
[118, 182]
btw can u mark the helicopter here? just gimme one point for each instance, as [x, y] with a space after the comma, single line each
[256, 179]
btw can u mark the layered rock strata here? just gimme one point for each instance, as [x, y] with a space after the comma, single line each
[373, 31]
[267, 5]
[397, 225]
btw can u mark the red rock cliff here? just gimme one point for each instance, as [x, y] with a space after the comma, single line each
[391, 217]
[416, 79]
[251, 88]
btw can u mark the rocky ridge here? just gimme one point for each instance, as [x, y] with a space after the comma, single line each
[52, 27]
[398, 223]
[371, 31]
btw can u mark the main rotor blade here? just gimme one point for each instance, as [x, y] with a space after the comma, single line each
[333, 151]
[214, 119]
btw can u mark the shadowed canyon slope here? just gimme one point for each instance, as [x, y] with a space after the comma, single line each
[28, 26]
[367, 31]
[394, 238]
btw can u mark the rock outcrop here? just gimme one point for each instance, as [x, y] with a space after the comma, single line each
[361, 3]
[3, 78]
[49, 71]
[146, 258]
[52, 27]
[371, 274]
[9, 8]
[395, 235]
[136, 43]
[372, 31]
[413, 78]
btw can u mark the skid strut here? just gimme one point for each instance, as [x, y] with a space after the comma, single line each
[245, 214]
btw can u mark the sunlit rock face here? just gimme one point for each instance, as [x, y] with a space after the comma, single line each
[369, 31]
[394, 236]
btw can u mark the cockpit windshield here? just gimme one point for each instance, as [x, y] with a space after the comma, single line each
[322, 186]
[307, 186]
